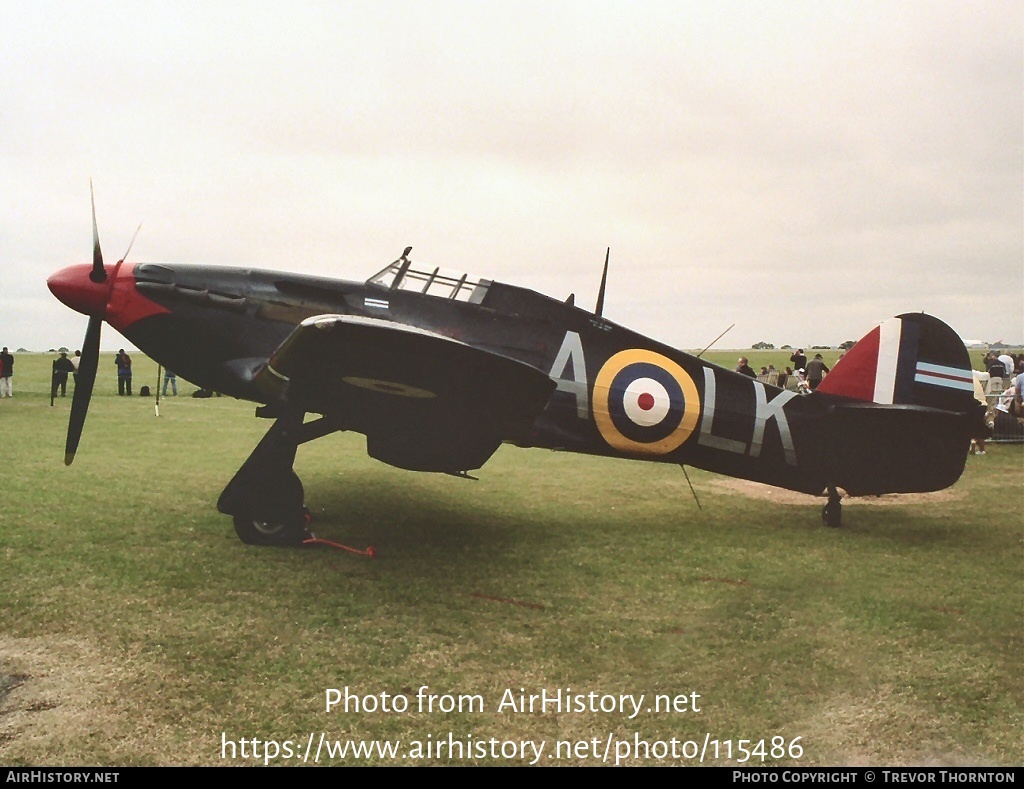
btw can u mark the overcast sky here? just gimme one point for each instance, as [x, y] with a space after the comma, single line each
[804, 170]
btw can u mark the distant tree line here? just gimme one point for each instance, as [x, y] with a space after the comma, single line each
[767, 346]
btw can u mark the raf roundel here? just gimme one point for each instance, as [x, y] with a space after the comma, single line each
[645, 403]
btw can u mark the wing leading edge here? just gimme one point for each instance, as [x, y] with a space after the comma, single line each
[425, 402]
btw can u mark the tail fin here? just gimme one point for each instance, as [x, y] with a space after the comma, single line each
[913, 359]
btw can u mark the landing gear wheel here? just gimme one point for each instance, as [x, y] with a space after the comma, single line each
[265, 497]
[254, 531]
[832, 512]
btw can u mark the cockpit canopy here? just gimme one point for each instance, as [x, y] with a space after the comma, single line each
[403, 274]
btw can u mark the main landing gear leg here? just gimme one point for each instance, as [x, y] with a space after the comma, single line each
[832, 512]
[265, 497]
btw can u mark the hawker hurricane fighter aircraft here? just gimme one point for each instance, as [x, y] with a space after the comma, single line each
[438, 369]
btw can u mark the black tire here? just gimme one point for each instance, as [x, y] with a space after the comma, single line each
[253, 531]
[832, 515]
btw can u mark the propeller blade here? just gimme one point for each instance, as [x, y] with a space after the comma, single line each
[124, 257]
[83, 386]
[98, 273]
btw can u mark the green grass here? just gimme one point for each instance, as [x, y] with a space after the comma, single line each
[135, 628]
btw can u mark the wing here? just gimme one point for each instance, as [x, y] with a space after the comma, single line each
[424, 401]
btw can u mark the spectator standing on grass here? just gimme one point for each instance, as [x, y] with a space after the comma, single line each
[61, 367]
[816, 370]
[172, 379]
[996, 372]
[75, 361]
[994, 367]
[799, 360]
[7, 374]
[978, 444]
[124, 373]
[744, 368]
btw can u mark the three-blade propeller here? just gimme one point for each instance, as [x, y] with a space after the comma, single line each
[89, 363]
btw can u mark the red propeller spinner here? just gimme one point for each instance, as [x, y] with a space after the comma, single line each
[75, 287]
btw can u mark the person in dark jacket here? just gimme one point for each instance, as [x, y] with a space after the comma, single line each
[744, 368]
[6, 373]
[61, 367]
[124, 373]
[816, 370]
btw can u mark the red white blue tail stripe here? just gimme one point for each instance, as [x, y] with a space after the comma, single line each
[889, 334]
[911, 359]
[940, 375]
[879, 368]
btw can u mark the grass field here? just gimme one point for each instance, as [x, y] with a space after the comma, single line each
[136, 629]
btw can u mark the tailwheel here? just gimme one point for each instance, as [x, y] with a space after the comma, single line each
[832, 512]
[254, 530]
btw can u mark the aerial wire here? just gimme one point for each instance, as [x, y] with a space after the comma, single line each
[691, 487]
[720, 336]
